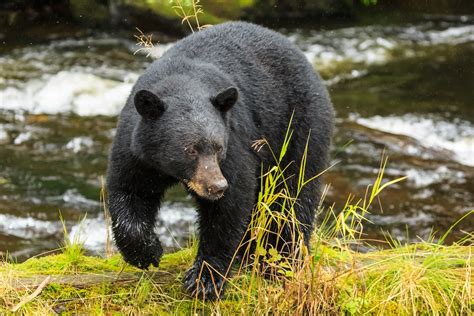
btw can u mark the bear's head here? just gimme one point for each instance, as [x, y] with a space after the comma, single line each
[184, 135]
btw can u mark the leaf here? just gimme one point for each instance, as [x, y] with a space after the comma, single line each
[260, 251]
[274, 255]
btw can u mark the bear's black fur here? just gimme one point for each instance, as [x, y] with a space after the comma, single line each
[192, 117]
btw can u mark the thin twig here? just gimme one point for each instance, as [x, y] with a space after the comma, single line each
[30, 297]
[185, 16]
[144, 41]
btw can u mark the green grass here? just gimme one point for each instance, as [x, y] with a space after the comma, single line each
[406, 280]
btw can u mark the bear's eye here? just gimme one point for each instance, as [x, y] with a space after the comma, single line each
[191, 150]
[219, 150]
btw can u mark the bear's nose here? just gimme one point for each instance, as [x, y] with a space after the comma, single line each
[218, 188]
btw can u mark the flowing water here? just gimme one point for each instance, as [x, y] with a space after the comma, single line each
[405, 89]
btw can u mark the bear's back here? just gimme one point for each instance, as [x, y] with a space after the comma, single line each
[240, 48]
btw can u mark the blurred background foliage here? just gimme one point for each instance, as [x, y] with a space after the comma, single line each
[158, 14]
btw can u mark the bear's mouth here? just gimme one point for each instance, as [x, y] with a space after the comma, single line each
[200, 190]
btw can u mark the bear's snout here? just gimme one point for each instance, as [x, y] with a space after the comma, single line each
[218, 188]
[208, 181]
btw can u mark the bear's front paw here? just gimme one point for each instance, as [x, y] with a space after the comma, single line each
[203, 281]
[143, 254]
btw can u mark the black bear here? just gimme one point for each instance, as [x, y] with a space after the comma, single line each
[192, 118]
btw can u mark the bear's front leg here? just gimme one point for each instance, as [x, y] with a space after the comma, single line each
[133, 221]
[221, 228]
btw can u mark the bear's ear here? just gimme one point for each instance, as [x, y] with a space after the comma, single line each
[148, 104]
[225, 99]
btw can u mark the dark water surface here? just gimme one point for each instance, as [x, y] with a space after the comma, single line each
[406, 89]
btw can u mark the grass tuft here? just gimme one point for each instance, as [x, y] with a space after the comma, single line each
[189, 12]
[144, 43]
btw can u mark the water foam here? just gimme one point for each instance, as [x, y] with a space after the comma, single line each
[66, 91]
[375, 44]
[174, 221]
[53, 78]
[78, 144]
[423, 178]
[27, 227]
[4, 138]
[457, 137]
[412, 220]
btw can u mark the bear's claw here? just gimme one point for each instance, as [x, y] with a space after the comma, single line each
[201, 281]
[149, 254]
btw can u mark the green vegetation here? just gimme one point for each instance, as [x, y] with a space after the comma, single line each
[335, 278]
[175, 9]
[403, 280]
[157, 15]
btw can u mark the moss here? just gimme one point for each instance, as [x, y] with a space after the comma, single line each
[181, 259]
[364, 283]
[62, 263]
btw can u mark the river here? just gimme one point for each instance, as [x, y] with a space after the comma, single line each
[406, 89]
